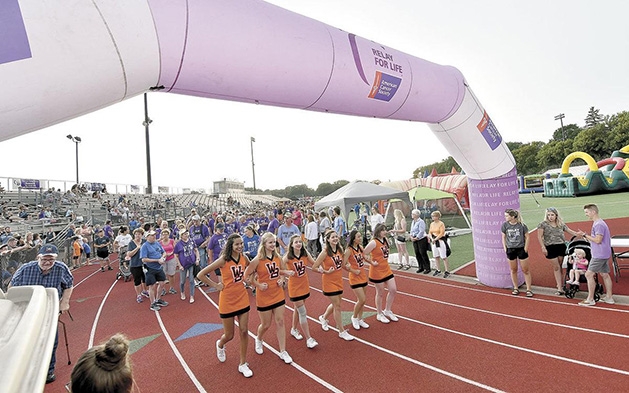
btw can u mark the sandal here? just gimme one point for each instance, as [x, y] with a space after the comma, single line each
[515, 291]
[529, 293]
[559, 292]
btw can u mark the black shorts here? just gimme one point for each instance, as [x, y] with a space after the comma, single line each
[102, 253]
[387, 278]
[138, 275]
[335, 293]
[154, 275]
[516, 253]
[361, 285]
[234, 314]
[272, 306]
[298, 298]
[555, 250]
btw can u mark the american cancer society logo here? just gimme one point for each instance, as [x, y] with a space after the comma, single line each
[489, 131]
[384, 86]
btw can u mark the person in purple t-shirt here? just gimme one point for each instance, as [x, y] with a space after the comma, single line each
[109, 231]
[600, 246]
[263, 223]
[200, 234]
[187, 256]
[216, 245]
[273, 224]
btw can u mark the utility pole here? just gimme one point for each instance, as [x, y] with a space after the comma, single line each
[253, 167]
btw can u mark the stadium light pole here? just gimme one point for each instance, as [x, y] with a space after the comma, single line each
[253, 168]
[560, 117]
[76, 141]
[147, 121]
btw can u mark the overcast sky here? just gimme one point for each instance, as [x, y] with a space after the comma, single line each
[525, 61]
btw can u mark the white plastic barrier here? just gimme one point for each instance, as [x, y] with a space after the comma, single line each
[28, 324]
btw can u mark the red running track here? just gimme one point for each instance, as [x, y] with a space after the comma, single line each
[452, 336]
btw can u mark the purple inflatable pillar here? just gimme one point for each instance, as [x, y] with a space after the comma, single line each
[488, 200]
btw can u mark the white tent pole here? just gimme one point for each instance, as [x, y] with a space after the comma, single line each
[469, 224]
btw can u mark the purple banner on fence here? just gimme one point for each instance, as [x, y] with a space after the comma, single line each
[488, 200]
[13, 39]
[30, 184]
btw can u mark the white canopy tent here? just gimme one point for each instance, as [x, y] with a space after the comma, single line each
[356, 192]
[453, 215]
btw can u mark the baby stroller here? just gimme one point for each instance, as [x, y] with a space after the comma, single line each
[124, 271]
[572, 289]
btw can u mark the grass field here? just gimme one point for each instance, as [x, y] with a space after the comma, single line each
[570, 209]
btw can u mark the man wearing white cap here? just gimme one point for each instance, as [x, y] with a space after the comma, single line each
[49, 273]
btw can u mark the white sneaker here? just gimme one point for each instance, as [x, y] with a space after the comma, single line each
[286, 357]
[259, 346]
[608, 300]
[324, 323]
[346, 336]
[311, 343]
[295, 333]
[382, 318]
[363, 324]
[245, 370]
[220, 352]
[356, 323]
[390, 315]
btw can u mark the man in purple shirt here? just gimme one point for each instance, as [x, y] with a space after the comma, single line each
[200, 234]
[600, 246]
[273, 224]
[216, 244]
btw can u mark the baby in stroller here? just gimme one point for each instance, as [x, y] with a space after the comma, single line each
[579, 266]
[575, 266]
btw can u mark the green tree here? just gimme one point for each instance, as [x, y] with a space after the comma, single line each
[444, 166]
[593, 141]
[514, 145]
[552, 154]
[526, 158]
[618, 136]
[326, 188]
[593, 118]
[570, 131]
[299, 191]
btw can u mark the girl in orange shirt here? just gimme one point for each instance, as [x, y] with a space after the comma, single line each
[233, 299]
[354, 262]
[380, 274]
[269, 281]
[329, 263]
[296, 259]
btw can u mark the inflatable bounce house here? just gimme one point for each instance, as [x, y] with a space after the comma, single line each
[531, 183]
[608, 175]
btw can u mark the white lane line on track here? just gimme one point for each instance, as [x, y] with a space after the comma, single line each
[487, 340]
[183, 363]
[96, 318]
[294, 364]
[515, 316]
[533, 299]
[414, 361]
[619, 335]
